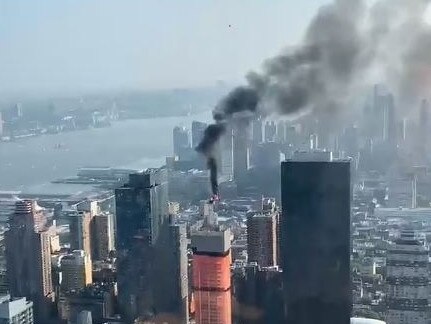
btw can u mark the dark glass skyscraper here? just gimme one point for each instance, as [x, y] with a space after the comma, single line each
[315, 239]
[142, 226]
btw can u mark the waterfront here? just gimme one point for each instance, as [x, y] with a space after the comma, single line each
[29, 164]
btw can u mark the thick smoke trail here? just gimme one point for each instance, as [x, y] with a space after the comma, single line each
[212, 166]
[346, 47]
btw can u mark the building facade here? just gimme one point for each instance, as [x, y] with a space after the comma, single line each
[211, 276]
[102, 236]
[28, 258]
[76, 271]
[262, 238]
[407, 281]
[142, 239]
[315, 239]
[80, 231]
[15, 310]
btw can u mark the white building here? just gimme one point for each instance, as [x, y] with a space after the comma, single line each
[15, 310]
[407, 281]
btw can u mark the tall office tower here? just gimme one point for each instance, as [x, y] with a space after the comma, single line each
[142, 218]
[262, 237]
[211, 276]
[257, 131]
[102, 236]
[76, 271]
[227, 152]
[180, 140]
[175, 276]
[15, 310]
[28, 258]
[80, 231]
[407, 281]
[240, 149]
[258, 294]
[266, 155]
[270, 131]
[315, 238]
[198, 129]
[382, 119]
[281, 132]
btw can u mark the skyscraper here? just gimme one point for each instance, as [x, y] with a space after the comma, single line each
[142, 224]
[211, 276]
[315, 239]
[175, 276]
[102, 235]
[80, 231]
[28, 258]
[262, 238]
[407, 279]
[257, 131]
[180, 139]
[198, 130]
[76, 271]
[241, 151]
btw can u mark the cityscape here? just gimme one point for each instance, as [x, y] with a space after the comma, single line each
[300, 196]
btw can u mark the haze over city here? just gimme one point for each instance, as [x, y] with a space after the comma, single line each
[215, 162]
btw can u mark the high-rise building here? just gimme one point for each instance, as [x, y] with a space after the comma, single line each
[211, 276]
[258, 294]
[270, 131]
[407, 281]
[262, 238]
[142, 238]
[315, 238]
[80, 231]
[241, 152]
[198, 130]
[175, 276]
[257, 131]
[76, 271]
[28, 258]
[102, 236]
[281, 131]
[180, 140]
[15, 310]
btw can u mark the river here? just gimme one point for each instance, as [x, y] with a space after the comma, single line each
[29, 164]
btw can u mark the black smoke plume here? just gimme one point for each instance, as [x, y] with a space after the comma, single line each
[347, 46]
[212, 166]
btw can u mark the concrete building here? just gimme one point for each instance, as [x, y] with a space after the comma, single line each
[102, 236]
[28, 248]
[80, 231]
[257, 131]
[262, 238]
[180, 140]
[315, 238]
[142, 239]
[270, 131]
[98, 299]
[241, 150]
[76, 271]
[211, 276]
[258, 295]
[175, 275]
[15, 310]
[407, 280]
[198, 129]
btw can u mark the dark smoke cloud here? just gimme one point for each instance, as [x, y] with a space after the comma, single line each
[346, 46]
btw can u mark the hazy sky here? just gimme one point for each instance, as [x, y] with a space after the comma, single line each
[72, 46]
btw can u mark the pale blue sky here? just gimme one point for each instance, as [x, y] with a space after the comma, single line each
[72, 46]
